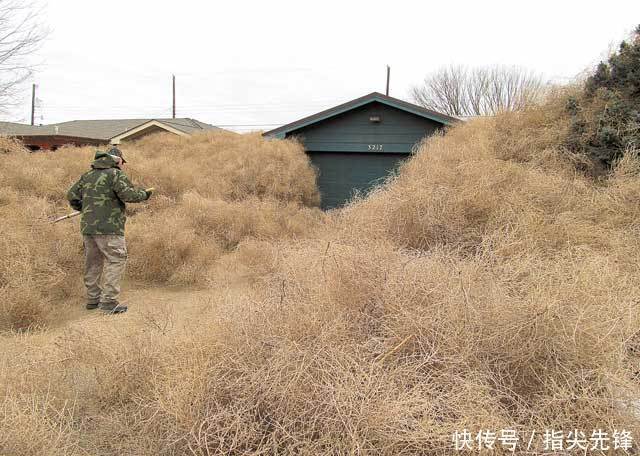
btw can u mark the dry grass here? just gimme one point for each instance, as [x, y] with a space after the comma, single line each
[491, 285]
[10, 145]
[207, 201]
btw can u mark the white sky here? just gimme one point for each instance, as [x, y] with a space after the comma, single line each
[256, 65]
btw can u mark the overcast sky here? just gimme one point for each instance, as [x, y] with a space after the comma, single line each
[256, 65]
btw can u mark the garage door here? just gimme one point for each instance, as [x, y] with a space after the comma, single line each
[342, 174]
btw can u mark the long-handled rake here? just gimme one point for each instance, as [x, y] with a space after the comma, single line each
[76, 213]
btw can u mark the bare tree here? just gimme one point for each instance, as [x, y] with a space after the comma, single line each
[461, 91]
[21, 34]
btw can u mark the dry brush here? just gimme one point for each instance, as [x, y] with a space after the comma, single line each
[493, 284]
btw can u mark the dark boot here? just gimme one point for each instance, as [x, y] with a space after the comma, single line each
[113, 307]
[91, 305]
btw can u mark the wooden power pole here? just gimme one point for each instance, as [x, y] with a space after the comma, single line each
[174, 95]
[33, 104]
[388, 76]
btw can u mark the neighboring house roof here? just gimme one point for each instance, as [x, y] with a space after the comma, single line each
[102, 129]
[444, 119]
[17, 129]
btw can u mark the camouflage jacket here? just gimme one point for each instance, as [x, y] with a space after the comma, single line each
[101, 194]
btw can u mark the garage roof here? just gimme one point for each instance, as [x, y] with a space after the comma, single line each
[444, 119]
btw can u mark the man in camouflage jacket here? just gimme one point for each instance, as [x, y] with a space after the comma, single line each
[101, 194]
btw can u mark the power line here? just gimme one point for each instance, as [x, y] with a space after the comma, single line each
[199, 109]
[218, 106]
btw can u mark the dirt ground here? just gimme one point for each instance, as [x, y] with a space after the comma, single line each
[160, 308]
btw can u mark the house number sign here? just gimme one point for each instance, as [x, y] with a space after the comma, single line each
[375, 147]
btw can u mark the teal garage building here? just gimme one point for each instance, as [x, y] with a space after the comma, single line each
[356, 145]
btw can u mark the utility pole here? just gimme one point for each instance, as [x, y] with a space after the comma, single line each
[174, 95]
[33, 104]
[388, 77]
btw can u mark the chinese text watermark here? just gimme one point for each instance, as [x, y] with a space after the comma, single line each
[550, 440]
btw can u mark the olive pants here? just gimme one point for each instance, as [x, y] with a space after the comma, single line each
[105, 260]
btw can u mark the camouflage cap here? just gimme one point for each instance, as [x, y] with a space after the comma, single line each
[117, 152]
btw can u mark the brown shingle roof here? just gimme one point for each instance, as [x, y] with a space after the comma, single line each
[98, 129]
[17, 129]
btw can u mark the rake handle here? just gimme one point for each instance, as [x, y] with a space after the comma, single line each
[76, 213]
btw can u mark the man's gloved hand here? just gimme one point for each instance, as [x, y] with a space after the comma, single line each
[149, 192]
[76, 204]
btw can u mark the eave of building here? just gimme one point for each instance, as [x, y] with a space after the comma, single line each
[152, 123]
[42, 137]
[281, 132]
